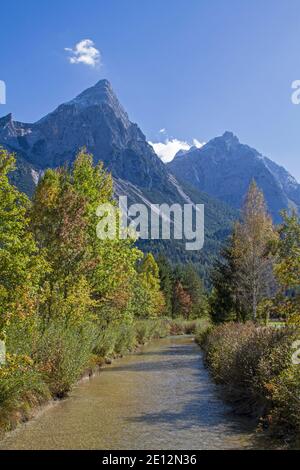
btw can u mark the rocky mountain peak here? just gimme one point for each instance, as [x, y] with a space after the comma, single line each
[225, 167]
[101, 92]
[227, 141]
[100, 95]
[229, 137]
[6, 120]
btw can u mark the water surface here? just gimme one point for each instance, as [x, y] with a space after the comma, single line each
[160, 398]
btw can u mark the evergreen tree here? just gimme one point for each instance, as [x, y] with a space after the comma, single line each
[166, 282]
[194, 287]
[223, 301]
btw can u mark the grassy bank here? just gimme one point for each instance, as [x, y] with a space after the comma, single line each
[254, 364]
[50, 362]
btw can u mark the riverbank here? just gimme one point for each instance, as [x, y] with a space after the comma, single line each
[158, 398]
[33, 402]
[254, 365]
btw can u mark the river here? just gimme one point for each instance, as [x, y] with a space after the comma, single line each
[161, 398]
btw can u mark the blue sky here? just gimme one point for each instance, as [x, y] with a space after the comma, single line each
[193, 67]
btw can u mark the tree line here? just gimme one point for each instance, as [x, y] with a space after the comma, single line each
[69, 300]
[183, 289]
[257, 275]
[256, 280]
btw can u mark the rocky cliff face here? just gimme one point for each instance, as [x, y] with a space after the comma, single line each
[224, 168]
[95, 120]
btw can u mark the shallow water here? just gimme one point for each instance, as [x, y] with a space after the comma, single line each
[160, 398]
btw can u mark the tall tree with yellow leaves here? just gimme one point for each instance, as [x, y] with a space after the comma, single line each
[253, 241]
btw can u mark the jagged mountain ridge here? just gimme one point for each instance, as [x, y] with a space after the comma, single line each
[96, 120]
[224, 168]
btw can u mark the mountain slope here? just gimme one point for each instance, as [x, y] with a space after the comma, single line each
[224, 168]
[96, 120]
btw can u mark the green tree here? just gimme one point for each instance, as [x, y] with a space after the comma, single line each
[194, 286]
[58, 221]
[112, 262]
[166, 282]
[154, 302]
[223, 302]
[287, 268]
[64, 220]
[21, 265]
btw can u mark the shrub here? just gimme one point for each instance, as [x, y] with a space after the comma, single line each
[143, 330]
[160, 328]
[254, 363]
[221, 345]
[285, 390]
[125, 339]
[105, 343]
[21, 387]
[180, 326]
[64, 350]
[151, 329]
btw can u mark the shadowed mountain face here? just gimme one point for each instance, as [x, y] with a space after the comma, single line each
[224, 168]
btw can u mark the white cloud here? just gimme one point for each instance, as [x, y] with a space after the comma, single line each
[168, 149]
[84, 52]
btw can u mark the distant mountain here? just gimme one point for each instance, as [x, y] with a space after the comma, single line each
[224, 168]
[96, 120]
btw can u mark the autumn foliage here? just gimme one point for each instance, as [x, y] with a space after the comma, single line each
[66, 297]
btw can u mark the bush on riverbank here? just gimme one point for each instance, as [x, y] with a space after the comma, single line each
[21, 388]
[180, 326]
[255, 366]
[62, 354]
